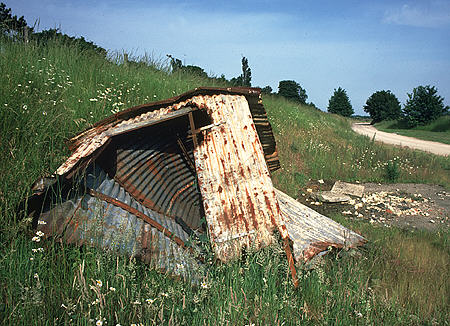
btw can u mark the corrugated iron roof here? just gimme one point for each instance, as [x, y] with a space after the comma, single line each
[146, 179]
[87, 142]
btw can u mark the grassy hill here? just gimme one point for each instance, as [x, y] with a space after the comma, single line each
[48, 94]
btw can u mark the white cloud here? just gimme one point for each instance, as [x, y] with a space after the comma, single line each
[435, 14]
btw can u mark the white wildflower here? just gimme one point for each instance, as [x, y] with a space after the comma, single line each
[99, 283]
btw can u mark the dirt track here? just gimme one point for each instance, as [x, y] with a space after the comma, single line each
[394, 139]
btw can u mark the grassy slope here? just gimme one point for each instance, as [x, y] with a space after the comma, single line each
[49, 94]
[438, 130]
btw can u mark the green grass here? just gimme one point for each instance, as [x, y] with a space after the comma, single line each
[438, 130]
[48, 94]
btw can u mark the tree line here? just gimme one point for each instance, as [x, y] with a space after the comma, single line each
[17, 28]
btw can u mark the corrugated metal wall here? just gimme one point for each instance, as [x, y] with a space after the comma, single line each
[155, 165]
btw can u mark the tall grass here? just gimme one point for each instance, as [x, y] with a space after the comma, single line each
[47, 94]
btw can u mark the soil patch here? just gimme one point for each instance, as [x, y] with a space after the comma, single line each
[417, 206]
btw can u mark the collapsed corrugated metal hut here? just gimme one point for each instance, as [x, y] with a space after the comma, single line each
[149, 180]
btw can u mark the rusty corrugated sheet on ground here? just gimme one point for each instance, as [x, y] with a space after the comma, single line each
[146, 179]
[311, 232]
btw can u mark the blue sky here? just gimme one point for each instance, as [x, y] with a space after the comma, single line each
[362, 46]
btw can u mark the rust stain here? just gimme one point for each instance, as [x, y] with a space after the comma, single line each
[318, 247]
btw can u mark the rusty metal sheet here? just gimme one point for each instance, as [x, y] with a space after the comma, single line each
[238, 197]
[85, 218]
[311, 232]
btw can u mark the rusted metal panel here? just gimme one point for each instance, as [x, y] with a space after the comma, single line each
[312, 232]
[238, 197]
[110, 218]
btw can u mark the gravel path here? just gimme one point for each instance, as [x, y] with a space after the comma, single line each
[390, 138]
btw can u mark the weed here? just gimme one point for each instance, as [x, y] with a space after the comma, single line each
[392, 171]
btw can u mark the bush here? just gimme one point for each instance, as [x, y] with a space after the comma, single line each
[392, 171]
[339, 103]
[423, 106]
[383, 105]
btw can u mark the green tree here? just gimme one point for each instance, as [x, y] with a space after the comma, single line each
[423, 106]
[292, 90]
[195, 70]
[177, 66]
[11, 25]
[339, 103]
[81, 43]
[245, 79]
[266, 90]
[246, 73]
[383, 105]
[175, 63]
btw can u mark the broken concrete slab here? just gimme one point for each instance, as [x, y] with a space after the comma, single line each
[348, 189]
[331, 197]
